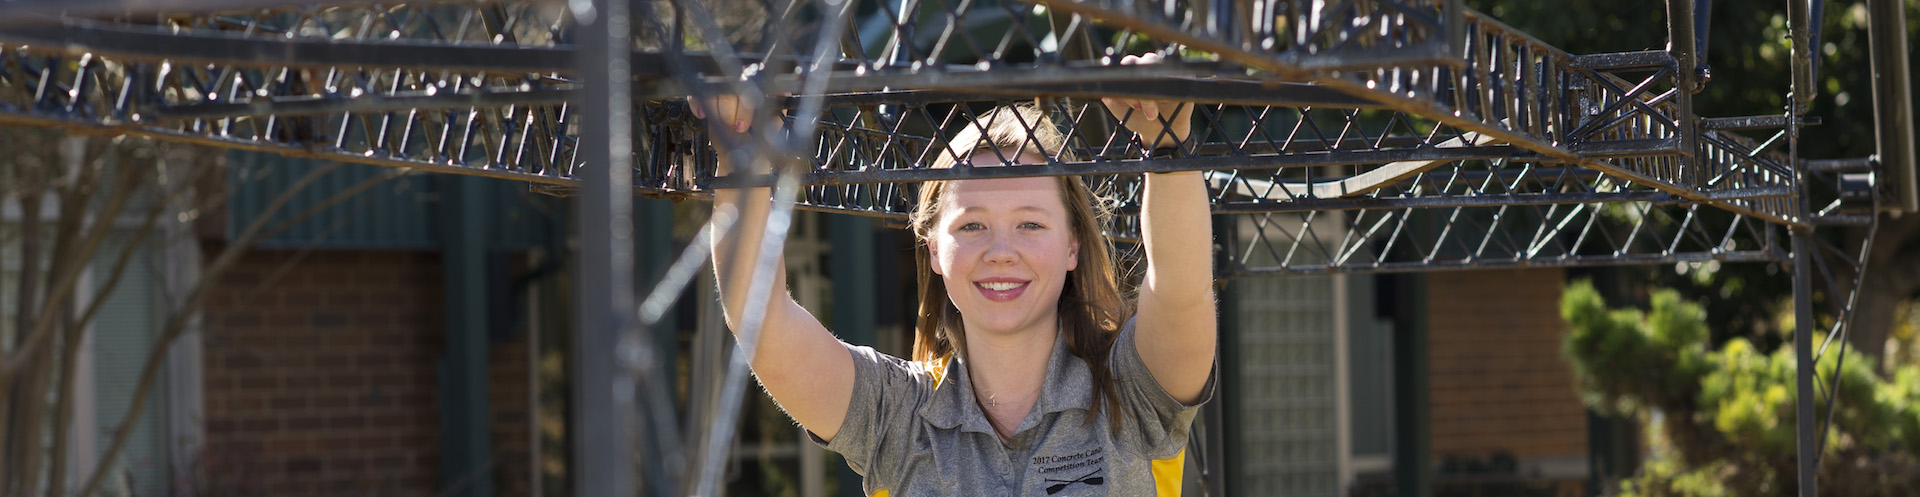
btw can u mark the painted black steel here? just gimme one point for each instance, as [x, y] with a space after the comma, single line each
[157, 42]
[1806, 443]
[1750, 123]
[606, 349]
[43, 12]
[1893, 103]
[1648, 59]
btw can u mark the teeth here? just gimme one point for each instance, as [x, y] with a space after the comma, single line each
[1000, 286]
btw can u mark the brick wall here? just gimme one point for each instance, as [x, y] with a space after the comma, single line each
[511, 421]
[1498, 381]
[321, 378]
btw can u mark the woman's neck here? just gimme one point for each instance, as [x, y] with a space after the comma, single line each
[1008, 372]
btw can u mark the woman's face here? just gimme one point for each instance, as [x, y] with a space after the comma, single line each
[1003, 247]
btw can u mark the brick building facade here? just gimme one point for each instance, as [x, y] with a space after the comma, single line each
[1497, 379]
[321, 378]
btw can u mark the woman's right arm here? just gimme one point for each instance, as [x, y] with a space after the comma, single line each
[806, 369]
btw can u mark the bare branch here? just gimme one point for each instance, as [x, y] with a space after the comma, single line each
[30, 199]
[176, 323]
[71, 257]
[63, 407]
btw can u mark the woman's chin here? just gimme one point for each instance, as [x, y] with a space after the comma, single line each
[1009, 326]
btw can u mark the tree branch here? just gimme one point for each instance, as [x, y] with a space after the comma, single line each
[70, 261]
[63, 409]
[176, 323]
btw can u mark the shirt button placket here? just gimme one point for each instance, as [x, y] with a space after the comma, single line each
[1003, 463]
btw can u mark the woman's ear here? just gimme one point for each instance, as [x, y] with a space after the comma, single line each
[1073, 254]
[933, 258]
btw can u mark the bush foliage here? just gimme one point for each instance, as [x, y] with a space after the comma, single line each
[1721, 421]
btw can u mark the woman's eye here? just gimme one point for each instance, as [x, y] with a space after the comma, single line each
[972, 227]
[1031, 226]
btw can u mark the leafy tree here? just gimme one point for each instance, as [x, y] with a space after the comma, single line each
[1722, 417]
[1748, 52]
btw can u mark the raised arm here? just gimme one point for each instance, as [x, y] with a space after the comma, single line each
[806, 369]
[1176, 329]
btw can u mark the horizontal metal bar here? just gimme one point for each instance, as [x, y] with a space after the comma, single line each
[218, 47]
[1537, 175]
[1205, 90]
[1434, 265]
[1282, 61]
[1427, 54]
[1222, 91]
[43, 12]
[285, 149]
[1371, 203]
[1843, 220]
[1647, 147]
[1853, 165]
[395, 102]
[1329, 158]
[964, 77]
[1748, 123]
[1650, 59]
[158, 44]
[1749, 193]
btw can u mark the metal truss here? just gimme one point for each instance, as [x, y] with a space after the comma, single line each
[483, 88]
[1336, 136]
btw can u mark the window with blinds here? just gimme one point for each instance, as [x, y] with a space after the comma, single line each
[1288, 394]
[124, 331]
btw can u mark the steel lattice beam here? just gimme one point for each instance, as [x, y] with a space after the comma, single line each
[1428, 90]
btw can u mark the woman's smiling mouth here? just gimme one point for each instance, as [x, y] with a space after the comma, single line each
[999, 290]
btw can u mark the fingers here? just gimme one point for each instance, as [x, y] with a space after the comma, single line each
[1147, 58]
[726, 109]
[1118, 106]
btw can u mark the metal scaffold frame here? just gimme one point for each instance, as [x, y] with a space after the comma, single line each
[1336, 137]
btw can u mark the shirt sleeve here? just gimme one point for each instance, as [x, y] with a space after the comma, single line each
[887, 395]
[1160, 421]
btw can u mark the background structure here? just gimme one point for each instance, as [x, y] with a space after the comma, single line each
[1340, 138]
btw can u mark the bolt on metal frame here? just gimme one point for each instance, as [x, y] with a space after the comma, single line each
[1337, 137]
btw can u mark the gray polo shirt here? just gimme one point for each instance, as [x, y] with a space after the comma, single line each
[912, 430]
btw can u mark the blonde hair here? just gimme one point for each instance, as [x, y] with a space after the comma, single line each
[1091, 306]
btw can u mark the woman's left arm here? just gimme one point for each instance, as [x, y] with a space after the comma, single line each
[1176, 328]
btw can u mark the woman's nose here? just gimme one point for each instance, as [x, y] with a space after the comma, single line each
[1000, 250]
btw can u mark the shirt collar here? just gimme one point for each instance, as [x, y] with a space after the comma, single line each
[1068, 385]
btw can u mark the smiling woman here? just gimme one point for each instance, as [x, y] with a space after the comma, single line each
[1041, 222]
[1032, 374]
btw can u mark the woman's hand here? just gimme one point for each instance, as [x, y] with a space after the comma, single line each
[728, 111]
[1159, 123]
[731, 115]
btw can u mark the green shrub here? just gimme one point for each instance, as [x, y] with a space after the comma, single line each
[1727, 414]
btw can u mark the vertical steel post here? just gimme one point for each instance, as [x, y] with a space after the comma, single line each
[1681, 45]
[1456, 29]
[855, 301]
[1226, 457]
[1893, 102]
[1412, 458]
[1702, 24]
[466, 415]
[603, 406]
[1802, 29]
[1806, 441]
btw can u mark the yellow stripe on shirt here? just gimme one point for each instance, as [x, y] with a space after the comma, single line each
[1166, 474]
